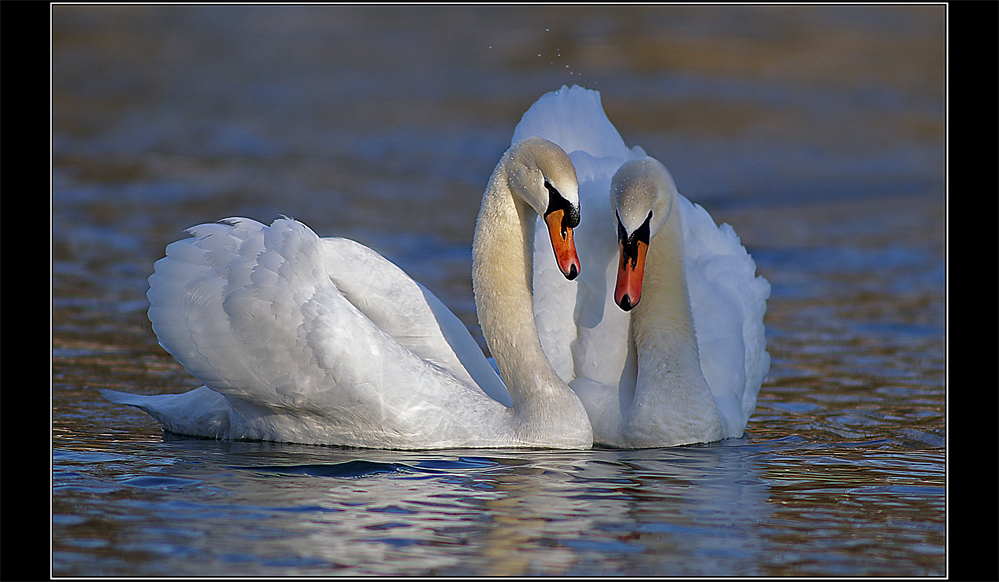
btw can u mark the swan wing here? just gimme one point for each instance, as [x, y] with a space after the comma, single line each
[251, 311]
[410, 313]
[728, 301]
[574, 119]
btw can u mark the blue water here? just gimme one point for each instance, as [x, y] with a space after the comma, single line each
[746, 507]
[816, 132]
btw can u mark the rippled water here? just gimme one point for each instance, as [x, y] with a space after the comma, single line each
[816, 132]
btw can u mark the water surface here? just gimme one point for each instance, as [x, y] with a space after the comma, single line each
[816, 132]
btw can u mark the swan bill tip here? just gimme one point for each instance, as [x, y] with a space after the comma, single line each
[626, 304]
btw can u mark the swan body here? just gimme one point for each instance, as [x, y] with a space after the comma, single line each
[323, 341]
[687, 363]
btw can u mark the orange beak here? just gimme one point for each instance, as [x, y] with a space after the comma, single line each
[628, 291]
[565, 249]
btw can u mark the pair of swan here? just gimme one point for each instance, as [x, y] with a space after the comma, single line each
[323, 341]
[641, 373]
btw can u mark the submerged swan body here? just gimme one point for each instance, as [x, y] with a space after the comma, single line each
[687, 363]
[323, 341]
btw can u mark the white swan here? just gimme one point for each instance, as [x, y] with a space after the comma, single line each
[323, 341]
[633, 398]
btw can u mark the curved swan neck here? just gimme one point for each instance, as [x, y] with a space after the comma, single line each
[670, 381]
[502, 251]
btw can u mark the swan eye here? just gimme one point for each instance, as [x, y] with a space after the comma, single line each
[553, 193]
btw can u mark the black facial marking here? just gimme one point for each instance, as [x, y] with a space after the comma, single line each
[570, 216]
[629, 244]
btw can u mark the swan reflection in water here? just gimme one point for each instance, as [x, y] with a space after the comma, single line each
[517, 511]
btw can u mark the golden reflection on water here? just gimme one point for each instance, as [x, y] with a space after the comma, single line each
[532, 506]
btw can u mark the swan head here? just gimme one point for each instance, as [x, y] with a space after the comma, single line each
[643, 195]
[541, 173]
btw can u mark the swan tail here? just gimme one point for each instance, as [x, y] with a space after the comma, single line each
[201, 412]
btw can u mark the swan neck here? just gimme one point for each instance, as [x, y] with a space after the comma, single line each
[664, 313]
[670, 382]
[502, 251]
